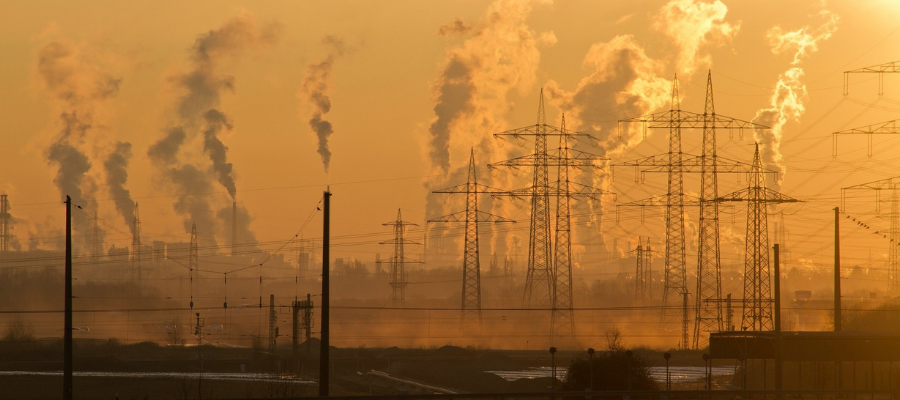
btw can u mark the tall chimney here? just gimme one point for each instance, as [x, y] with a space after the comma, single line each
[233, 226]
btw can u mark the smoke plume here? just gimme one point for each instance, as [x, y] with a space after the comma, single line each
[498, 53]
[315, 89]
[78, 89]
[116, 166]
[693, 24]
[786, 102]
[198, 115]
[216, 150]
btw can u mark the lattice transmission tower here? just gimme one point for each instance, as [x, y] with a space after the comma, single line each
[757, 271]
[399, 260]
[554, 274]
[889, 184]
[470, 309]
[708, 315]
[643, 272]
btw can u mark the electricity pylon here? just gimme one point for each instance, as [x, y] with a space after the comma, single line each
[708, 314]
[892, 185]
[882, 128]
[757, 273]
[643, 272]
[880, 69]
[136, 247]
[398, 261]
[470, 309]
[554, 274]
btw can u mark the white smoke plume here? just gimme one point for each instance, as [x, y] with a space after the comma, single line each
[693, 24]
[786, 102]
[198, 115]
[315, 89]
[116, 166]
[498, 53]
[79, 90]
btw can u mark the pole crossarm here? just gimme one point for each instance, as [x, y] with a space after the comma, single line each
[540, 130]
[480, 217]
[881, 128]
[758, 194]
[576, 158]
[881, 184]
[892, 67]
[465, 188]
[575, 190]
[660, 201]
[687, 119]
[690, 163]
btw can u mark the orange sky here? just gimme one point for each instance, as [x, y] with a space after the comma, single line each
[383, 92]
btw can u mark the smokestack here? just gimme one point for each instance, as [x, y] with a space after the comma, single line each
[233, 226]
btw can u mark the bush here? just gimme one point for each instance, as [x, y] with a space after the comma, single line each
[612, 371]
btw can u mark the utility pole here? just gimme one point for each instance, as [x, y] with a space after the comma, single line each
[470, 309]
[193, 261]
[398, 261]
[136, 248]
[837, 269]
[891, 185]
[67, 325]
[326, 247]
[708, 313]
[4, 224]
[757, 275]
[198, 330]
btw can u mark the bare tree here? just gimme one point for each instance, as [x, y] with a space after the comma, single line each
[19, 329]
[175, 334]
[614, 339]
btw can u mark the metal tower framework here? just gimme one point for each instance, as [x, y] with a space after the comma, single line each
[4, 224]
[549, 280]
[892, 185]
[136, 247]
[757, 272]
[643, 273]
[470, 309]
[398, 261]
[880, 69]
[708, 314]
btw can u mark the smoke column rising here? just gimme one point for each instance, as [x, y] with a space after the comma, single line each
[116, 166]
[786, 102]
[198, 115]
[315, 89]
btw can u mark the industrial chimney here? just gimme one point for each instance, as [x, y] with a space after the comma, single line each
[233, 226]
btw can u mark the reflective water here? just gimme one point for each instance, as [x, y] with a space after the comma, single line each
[677, 374]
[214, 376]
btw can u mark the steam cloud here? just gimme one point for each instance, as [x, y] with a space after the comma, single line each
[624, 81]
[315, 89]
[78, 88]
[499, 53]
[116, 166]
[692, 24]
[198, 114]
[786, 102]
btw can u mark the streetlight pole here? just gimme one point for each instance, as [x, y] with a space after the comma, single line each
[591, 361]
[553, 365]
[628, 355]
[667, 356]
[707, 364]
